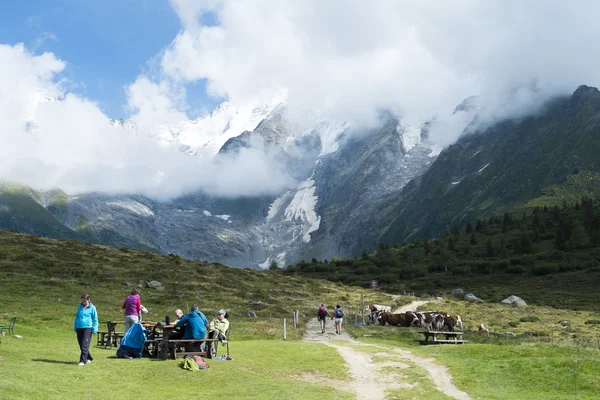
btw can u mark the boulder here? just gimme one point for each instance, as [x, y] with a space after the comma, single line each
[510, 334]
[154, 285]
[514, 300]
[251, 314]
[479, 301]
[471, 297]
[456, 292]
[255, 303]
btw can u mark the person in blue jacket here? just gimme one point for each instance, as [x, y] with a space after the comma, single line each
[195, 324]
[86, 323]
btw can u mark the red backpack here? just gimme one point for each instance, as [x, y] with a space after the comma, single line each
[322, 312]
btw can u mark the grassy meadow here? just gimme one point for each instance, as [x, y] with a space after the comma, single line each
[42, 279]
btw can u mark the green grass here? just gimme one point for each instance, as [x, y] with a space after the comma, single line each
[42, 279]
[43, 365]
[502, 367]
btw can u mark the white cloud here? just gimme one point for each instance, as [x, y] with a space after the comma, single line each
[349, 59]
[51, 138]
[342, 60]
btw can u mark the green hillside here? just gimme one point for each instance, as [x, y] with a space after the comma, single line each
[491, 171]
[547, 255]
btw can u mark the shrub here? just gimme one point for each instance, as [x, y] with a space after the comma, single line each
[516, 269]
[530, 318]
[545, 269]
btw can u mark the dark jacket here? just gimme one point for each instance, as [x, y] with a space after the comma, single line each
[195, 325]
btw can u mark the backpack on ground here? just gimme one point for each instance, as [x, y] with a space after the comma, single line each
[197, 360]
[190, 364]
[338, 313]
[322, 312]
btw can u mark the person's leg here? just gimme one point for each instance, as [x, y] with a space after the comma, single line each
[79, 332]
[84, 344]
[127, 322]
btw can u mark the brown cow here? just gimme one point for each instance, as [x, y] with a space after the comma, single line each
[395, 319]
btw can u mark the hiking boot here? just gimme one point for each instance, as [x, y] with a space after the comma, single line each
[81, 364]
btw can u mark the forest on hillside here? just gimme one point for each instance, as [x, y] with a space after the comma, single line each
[540, 242]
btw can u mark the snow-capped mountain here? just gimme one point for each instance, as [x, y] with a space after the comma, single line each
[344, 175]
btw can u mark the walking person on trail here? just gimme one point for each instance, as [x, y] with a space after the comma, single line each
[338, 317]
[133, 309]
[86, 323]
[322, 315]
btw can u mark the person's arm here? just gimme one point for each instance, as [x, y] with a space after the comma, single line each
[75, 322]
[95, 320]
[139, 305]
[204, 318]
[182, 321]
[226, 322]
[211, 326]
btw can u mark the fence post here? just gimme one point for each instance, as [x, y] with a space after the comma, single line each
[284, 330]
[362, 308]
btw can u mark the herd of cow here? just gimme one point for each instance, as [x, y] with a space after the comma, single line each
[431, 320]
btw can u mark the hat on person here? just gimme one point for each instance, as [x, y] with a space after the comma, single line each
[222, 312]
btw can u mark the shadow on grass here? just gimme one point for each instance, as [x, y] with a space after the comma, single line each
[45, 360]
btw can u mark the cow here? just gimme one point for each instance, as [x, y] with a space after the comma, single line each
[376, 310]
[395, 319]
[450, 321]
[483, 330]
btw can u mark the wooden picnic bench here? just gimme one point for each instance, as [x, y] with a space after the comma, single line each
[182, 347]
[451, 338]
[191, 347]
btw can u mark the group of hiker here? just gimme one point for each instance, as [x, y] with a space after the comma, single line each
[337, 317]
[190, 326]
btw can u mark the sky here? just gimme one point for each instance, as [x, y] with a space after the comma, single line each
[160, 63]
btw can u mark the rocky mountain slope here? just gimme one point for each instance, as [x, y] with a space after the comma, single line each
[355, 188]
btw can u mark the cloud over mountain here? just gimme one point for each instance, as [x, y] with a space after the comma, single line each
[346, 61]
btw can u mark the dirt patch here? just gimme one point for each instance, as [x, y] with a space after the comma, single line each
[368, 379]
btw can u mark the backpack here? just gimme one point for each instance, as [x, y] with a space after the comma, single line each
[197, 360]
[322, 312]
[190, 364]
[338, 313]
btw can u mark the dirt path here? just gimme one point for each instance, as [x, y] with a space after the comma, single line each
[369, 381]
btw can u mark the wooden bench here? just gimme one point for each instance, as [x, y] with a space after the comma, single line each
[191, 347]
[113, 336]
[434, 340]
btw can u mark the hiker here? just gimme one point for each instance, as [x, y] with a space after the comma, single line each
[218, 327]
[86, 323]
[338, 317]
[178, 332]
[133, 308]
[195, 324]
[322, 315]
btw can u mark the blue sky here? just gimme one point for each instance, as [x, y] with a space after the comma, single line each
[106, 44]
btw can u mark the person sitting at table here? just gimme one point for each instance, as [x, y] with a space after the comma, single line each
[195, 324]
[179, 332]
[218, 327]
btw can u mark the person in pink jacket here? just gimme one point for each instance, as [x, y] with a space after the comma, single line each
[133, 308]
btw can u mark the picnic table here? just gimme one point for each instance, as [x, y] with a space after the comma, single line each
[169, 348]
[451, 338]
[111, 336]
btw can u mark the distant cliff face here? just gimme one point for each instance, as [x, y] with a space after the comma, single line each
[489, 171]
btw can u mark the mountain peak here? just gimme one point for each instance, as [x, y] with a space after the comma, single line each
[584, 90]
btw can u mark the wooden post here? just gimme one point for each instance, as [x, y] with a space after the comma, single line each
[362, 308]
[284, 331]
[294, 318]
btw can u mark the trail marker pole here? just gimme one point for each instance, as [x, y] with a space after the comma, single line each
[362, 308]
[284, 330]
